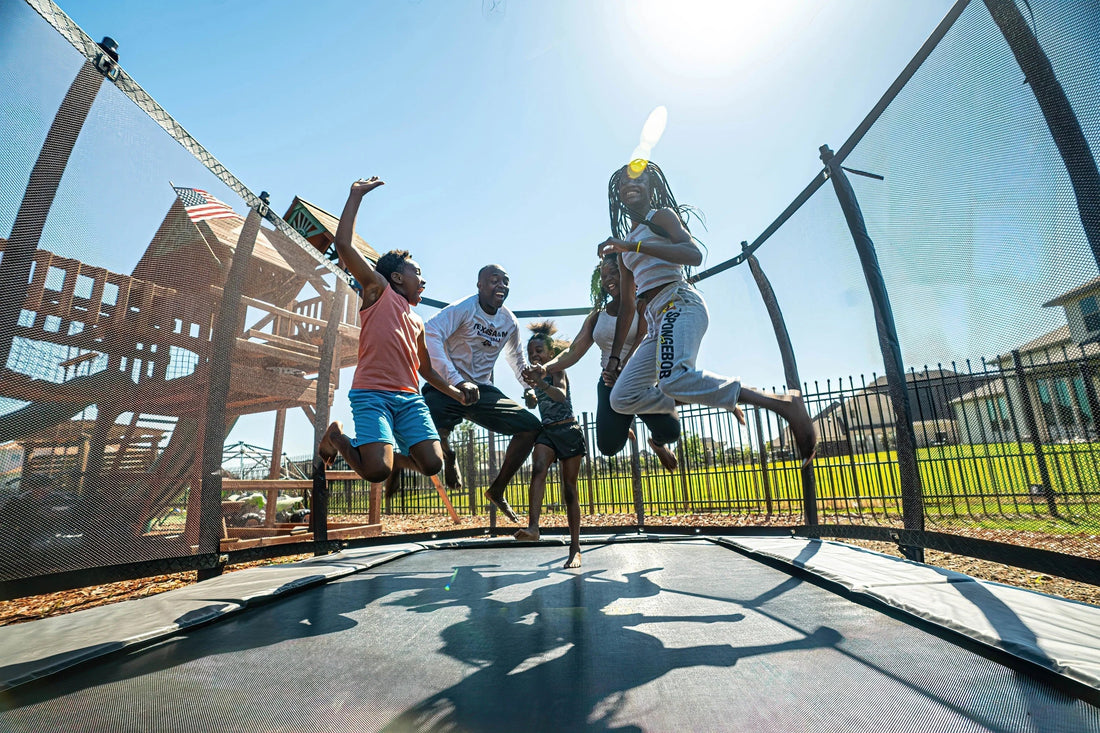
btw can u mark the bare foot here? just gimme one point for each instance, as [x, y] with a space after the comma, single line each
[451, 476]
[574, 560]
[630, 434]
[527, 534]
[327, 447]
[503, 505]
[665, 456]
[803, 428]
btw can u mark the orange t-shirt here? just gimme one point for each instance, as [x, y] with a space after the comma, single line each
[388, 356]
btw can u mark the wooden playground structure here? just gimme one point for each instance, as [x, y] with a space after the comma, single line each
[137, 349]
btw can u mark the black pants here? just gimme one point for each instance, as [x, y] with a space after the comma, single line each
[612, 427]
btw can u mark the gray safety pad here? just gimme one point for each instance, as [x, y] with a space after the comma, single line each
[40, 648]
[1058, 634]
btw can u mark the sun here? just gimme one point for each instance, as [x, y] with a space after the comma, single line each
[711, 36]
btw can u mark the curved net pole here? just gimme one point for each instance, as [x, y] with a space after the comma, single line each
[219, 371]
[912, 504]
[790, 374]
[1064, 126]
[30, 221]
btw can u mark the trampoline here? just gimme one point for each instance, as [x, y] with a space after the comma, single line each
[653, 633]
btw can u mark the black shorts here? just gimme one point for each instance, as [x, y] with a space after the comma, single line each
[567, 440]
[493, 411]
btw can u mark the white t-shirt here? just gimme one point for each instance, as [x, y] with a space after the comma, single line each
[464, 342]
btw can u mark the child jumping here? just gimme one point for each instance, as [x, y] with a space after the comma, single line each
[385, 397]
[651, 240]
[561, 439]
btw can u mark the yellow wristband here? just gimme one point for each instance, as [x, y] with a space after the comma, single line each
[639, 247]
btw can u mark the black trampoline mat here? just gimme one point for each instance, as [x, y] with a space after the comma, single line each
[671, 636]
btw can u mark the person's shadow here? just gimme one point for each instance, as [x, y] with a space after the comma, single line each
[563, 657]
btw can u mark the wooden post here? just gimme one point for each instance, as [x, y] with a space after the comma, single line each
[276, 467]
[374, 504]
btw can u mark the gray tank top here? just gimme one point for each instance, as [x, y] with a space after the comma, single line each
[550, 411]
[649, 271]
[603, 334]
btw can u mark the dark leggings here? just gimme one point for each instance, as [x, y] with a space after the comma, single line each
[612, 427]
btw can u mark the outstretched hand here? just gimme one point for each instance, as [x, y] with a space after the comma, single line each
[612, 246]
[366, 185]
[534, 374]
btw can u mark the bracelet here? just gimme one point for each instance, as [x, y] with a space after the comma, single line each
[616, 359]
[639, 247]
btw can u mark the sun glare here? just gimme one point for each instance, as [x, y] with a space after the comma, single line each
[709, 36]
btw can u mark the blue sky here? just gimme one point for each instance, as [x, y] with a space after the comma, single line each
[496, 125]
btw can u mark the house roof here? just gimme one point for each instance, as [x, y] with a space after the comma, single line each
[994, 388]
[1077, 292]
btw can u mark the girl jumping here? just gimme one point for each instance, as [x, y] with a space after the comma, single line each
[652, 242]
[613, 428]
[561, 439]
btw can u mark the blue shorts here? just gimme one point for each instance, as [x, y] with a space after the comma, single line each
[397, 418]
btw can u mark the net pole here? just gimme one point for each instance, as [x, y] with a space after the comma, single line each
[45, 178]
[905, 440]
[1061, 120]
[220, 369]
[790, 373]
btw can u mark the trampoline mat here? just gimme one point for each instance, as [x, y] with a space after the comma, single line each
[668, 636]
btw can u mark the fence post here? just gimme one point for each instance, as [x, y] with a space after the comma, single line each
[905, 440]
[766, 479]
[492, 472]
[1033, 428]
[636, 475]
[471, 472]
[588, 461]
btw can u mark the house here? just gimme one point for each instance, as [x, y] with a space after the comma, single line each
[1059, 373]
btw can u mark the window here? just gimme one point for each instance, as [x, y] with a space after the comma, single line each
[1090, 312]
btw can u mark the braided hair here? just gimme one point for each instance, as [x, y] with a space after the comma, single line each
[597, 293]
[660, 197]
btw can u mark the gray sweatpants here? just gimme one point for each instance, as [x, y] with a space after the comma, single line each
[662, 369]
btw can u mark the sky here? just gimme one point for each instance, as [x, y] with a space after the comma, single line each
[495, 125]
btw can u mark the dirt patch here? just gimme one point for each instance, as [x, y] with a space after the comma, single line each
[55, 604]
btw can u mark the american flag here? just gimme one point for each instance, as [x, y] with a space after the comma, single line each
[201, 206]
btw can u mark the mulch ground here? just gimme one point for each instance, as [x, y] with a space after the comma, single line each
[54, 604]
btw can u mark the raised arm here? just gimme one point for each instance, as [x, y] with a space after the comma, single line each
[580, 345]
[359, 266]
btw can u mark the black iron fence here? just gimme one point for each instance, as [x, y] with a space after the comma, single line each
[978, 459]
